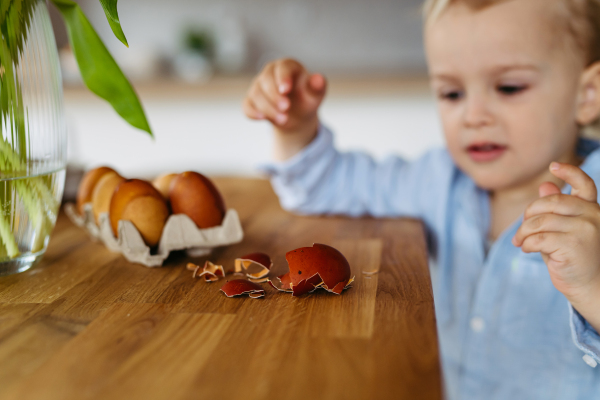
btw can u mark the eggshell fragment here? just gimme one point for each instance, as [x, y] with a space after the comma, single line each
[103, 192]
[191, 267]
[255, 265]
[238, 287]
[87, 185]
[196, 196]
[319, 266]
[210, 271]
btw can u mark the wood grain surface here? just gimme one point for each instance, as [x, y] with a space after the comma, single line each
[87, 324]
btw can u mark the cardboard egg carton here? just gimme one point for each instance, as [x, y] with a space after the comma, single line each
[179, 233]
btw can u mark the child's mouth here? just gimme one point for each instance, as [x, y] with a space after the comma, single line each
[485, 152]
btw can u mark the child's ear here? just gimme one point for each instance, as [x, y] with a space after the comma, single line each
[588, 107]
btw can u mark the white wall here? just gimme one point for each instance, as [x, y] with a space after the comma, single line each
[208, 132]
[350, 36]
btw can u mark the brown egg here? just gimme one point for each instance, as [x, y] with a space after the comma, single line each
[162, 183]
[138, 201]
[149, 215]
[255, 265]
[87, 185]
[196, 196]
[103, 192]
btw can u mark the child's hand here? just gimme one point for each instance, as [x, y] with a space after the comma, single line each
[565, 229]
[285, 94]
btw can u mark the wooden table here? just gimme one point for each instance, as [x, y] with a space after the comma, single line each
[85, 323]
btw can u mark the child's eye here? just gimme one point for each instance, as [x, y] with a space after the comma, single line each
[451, 95]
[511, 89]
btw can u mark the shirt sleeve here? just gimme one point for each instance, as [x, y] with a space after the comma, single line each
[322, 180]
[585, 337]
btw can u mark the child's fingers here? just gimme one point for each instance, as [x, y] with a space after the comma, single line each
[544, 242]
[544, 223]
[264, 105]
[583, 186]
[316, 86]
[286, 72]
[317, 83]
[561, 204]
[250, 110]
[269, 88]
[547, 189]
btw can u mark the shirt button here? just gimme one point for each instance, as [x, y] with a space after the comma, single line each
[477, 324]
[590, 361]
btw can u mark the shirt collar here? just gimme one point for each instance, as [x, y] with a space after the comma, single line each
[585, 147]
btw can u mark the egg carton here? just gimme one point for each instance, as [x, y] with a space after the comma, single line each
[179, 233]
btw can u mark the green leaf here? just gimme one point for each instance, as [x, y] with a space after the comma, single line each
[15, 18]
[110, 9]
[99, 70]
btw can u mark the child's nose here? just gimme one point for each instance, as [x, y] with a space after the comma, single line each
[477, 112]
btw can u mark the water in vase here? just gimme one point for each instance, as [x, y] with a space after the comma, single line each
[29, 207]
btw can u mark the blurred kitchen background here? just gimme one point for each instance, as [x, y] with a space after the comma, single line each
[191, 62]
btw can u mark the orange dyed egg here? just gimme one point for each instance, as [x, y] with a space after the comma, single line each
[103, 193]
[87, 185]
[196, 196]
[138, 201]
[162, 183]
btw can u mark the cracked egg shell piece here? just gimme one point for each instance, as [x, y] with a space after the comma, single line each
[303, 287]
[261, 280]
[209, 277]
[191, 266]
[211, 272]
[214, 269]
[262, 265]
[281, 288]
[327, 262]
[309, 285]
[238, 287]
[320, 266]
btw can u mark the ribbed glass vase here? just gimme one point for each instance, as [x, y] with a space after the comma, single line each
[33, 147]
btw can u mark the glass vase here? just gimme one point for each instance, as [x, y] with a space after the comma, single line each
[33, 146]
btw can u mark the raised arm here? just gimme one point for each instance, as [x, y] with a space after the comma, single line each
[312, 177]
[323, 180]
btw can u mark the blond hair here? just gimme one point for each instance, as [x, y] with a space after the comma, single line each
[580, 18]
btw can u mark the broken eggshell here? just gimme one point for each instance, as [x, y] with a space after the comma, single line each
[210, 271]
[238, 287]
[255, 265]
[319, 266]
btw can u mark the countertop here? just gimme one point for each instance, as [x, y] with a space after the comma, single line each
[87, 324]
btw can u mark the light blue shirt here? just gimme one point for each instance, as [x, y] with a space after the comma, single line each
[505, 331]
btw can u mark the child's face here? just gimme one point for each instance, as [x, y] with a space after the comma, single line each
[507, 87]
